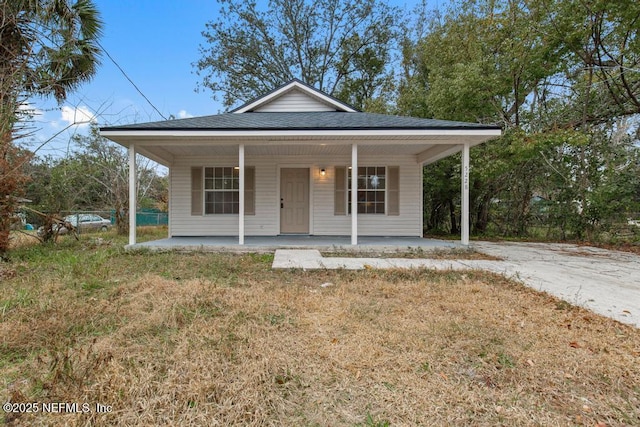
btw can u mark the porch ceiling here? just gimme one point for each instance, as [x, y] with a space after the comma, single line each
[427, 148]
[290, 150]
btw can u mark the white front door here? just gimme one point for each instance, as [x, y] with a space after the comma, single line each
[294, 200]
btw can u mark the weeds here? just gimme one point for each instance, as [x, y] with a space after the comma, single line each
[505, 361]
[22, 298]
[372, 422]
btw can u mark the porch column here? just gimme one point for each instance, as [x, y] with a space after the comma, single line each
[354, 194]
[241, 196]
[132, 194]
[464, 215]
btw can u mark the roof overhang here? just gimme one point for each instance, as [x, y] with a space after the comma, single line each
[427, 145]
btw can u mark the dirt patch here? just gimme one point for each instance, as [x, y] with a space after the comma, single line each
[624, 247]
[582, 253]
[438, 253]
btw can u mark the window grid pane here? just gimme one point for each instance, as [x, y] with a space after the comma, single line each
[371, 189]
[222, 190]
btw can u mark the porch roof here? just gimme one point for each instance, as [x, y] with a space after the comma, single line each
[300, 133]
[302, 121]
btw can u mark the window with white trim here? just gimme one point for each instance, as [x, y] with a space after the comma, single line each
[371, 189]
[221, 190]
[378, 190]
[216, 190]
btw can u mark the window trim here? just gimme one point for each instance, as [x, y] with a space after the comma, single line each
[235, 176]
[367, 190]
[342, 189]
[199, 190]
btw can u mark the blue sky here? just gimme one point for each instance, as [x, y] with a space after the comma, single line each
[155, 42]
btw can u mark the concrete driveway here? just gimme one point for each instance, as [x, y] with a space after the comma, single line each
[606, 282]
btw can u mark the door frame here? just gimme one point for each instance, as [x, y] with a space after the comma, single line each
[279, 186]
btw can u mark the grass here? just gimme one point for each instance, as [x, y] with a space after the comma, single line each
[221, 339]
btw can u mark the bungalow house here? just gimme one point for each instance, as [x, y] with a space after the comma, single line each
[298, 161]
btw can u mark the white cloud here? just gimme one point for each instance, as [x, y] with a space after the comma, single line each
[29, 110]
[182, 114]
[80, 116]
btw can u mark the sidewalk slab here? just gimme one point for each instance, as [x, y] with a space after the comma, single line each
[312, 259]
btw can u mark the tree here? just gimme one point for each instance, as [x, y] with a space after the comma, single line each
[601, 65]
[105, 169]
[341, 47]
[94, 177]
[562, 77]
[48, 48]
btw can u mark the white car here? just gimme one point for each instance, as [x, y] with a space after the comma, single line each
[82, 222]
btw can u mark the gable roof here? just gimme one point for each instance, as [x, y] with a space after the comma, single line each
[296, 118]
[291, 86]
[302, 121]
[272, 112]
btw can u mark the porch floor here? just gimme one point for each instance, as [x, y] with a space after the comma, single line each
[271, 243]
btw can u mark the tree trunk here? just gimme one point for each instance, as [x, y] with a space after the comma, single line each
[12, 181]
[482, 215]
[122, 218]
[452, 215]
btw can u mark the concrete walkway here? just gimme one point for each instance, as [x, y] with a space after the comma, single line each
[606, 282]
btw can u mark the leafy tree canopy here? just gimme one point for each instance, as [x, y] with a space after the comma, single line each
[341, 47]
[47, 48]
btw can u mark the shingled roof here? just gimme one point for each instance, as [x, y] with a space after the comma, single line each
[301, 121]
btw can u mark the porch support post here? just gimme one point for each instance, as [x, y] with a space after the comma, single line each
[464, 215]
[132, 194]
[241, 196]
[354, 194]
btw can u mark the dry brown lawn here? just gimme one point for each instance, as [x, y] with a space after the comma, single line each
[19, 239]
[211, 339]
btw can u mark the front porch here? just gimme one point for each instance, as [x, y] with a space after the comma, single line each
[271, 243]
[280, 164]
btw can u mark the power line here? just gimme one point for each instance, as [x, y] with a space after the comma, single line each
[131, 81]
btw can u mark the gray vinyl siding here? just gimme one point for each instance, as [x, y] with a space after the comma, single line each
[323, 220]
[294, 101]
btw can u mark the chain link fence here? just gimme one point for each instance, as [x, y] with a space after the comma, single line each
[94, 219]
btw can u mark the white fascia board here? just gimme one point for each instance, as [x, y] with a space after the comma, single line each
[302, 133]
[315, 94]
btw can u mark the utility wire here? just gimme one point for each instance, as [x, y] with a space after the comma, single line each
[130, 81]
